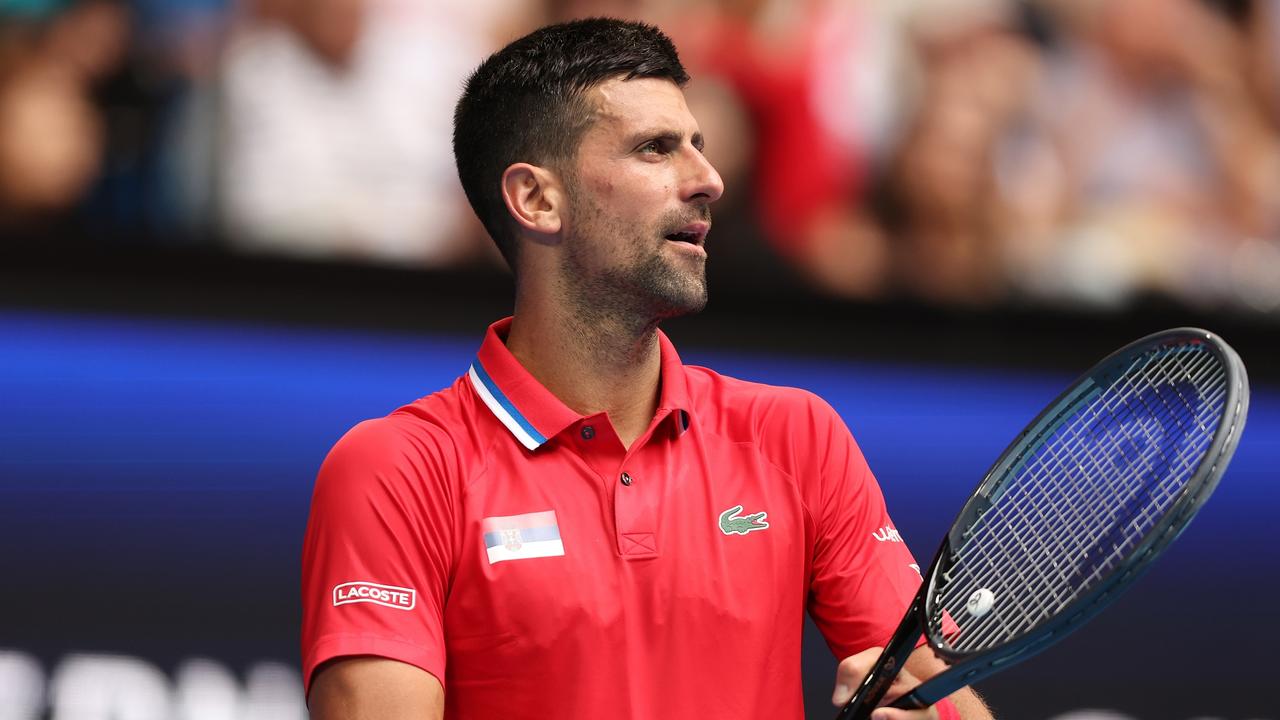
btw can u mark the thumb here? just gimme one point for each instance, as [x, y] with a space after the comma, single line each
[850, 673]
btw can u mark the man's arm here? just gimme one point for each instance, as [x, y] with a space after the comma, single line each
[381, 520]
[921, 665]
[372, 688]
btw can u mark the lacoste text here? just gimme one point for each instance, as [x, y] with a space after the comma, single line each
[388, 595]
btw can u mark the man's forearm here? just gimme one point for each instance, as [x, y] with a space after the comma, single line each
[970, 705]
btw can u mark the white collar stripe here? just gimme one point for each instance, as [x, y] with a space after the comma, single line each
[502, 408]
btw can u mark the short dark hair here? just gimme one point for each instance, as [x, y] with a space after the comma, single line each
[525, 103]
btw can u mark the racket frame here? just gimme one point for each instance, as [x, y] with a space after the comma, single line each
[966, 668]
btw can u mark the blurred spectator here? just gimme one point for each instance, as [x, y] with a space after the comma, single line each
[794, 67]
[1262, 21]
[978, 70]
[86, 94]
[958, 151]
[336, 126]
[1147, 159]
[52, 136]
[50, 139]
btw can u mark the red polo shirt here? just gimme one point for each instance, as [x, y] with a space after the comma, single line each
[518, 552]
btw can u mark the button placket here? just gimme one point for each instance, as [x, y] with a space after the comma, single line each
[634, 514]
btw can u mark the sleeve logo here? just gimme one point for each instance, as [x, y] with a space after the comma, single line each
[887, 534]
[390, 596]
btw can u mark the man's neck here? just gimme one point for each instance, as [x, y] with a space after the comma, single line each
[592, 365]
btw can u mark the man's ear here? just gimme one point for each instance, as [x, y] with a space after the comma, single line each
[534, 197]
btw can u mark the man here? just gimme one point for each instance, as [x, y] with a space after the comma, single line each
[581, 526]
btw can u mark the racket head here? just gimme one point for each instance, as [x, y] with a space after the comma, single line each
[1183, 392]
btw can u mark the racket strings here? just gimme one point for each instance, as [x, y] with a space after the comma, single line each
[1023, 548]
[1144, 514]
[1067, 514]
[1046, 589]
[1072, 507]
[1041, 586]
[1156, 463]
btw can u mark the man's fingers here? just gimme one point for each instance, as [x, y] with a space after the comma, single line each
[853, 669]
[850, 672]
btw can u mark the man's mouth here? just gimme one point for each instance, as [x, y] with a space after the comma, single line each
[694, 234]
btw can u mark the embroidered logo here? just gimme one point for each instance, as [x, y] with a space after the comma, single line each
[400, 598]
[731, 523]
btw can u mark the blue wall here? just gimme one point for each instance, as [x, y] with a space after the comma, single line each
[155, 476]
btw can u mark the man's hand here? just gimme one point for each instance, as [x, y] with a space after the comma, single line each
[853, 669]
[921, 665]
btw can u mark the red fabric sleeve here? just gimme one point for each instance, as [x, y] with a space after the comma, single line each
[863, 575]
[379, 547]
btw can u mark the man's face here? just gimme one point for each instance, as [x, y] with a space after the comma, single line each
[639, 204]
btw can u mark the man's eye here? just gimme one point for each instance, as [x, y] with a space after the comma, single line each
[655, 147]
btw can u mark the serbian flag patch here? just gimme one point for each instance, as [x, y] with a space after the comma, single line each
[520, 537]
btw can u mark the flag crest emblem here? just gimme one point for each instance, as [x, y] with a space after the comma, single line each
[522, 537]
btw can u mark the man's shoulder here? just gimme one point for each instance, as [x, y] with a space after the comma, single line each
[408, 463]
[436, 425]
[792, 429]
[742, 404]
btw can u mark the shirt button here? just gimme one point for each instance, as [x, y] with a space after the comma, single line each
[626, 479]
[588, 432]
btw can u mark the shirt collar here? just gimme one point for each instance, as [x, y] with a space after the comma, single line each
[675, 387]
[532, 413]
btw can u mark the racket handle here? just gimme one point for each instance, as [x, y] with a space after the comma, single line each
[910, 701]
[887, 667]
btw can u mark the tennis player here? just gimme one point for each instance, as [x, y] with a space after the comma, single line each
[581, 526]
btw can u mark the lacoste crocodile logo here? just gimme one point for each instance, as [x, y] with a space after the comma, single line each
[731, 523]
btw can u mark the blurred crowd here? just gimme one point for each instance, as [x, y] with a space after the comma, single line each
[953, 151]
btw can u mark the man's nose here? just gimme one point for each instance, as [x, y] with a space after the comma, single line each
[704, 181]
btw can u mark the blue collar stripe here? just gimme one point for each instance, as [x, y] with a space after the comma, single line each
[503, 409]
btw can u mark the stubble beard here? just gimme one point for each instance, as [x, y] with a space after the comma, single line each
[646, 288]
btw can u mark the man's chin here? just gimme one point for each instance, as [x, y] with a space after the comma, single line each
[671, 291]
[689, 303]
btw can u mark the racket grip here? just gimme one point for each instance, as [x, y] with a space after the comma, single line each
[910, 701]
[877, 682]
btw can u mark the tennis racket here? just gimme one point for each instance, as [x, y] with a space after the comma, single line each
[1082, 501]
